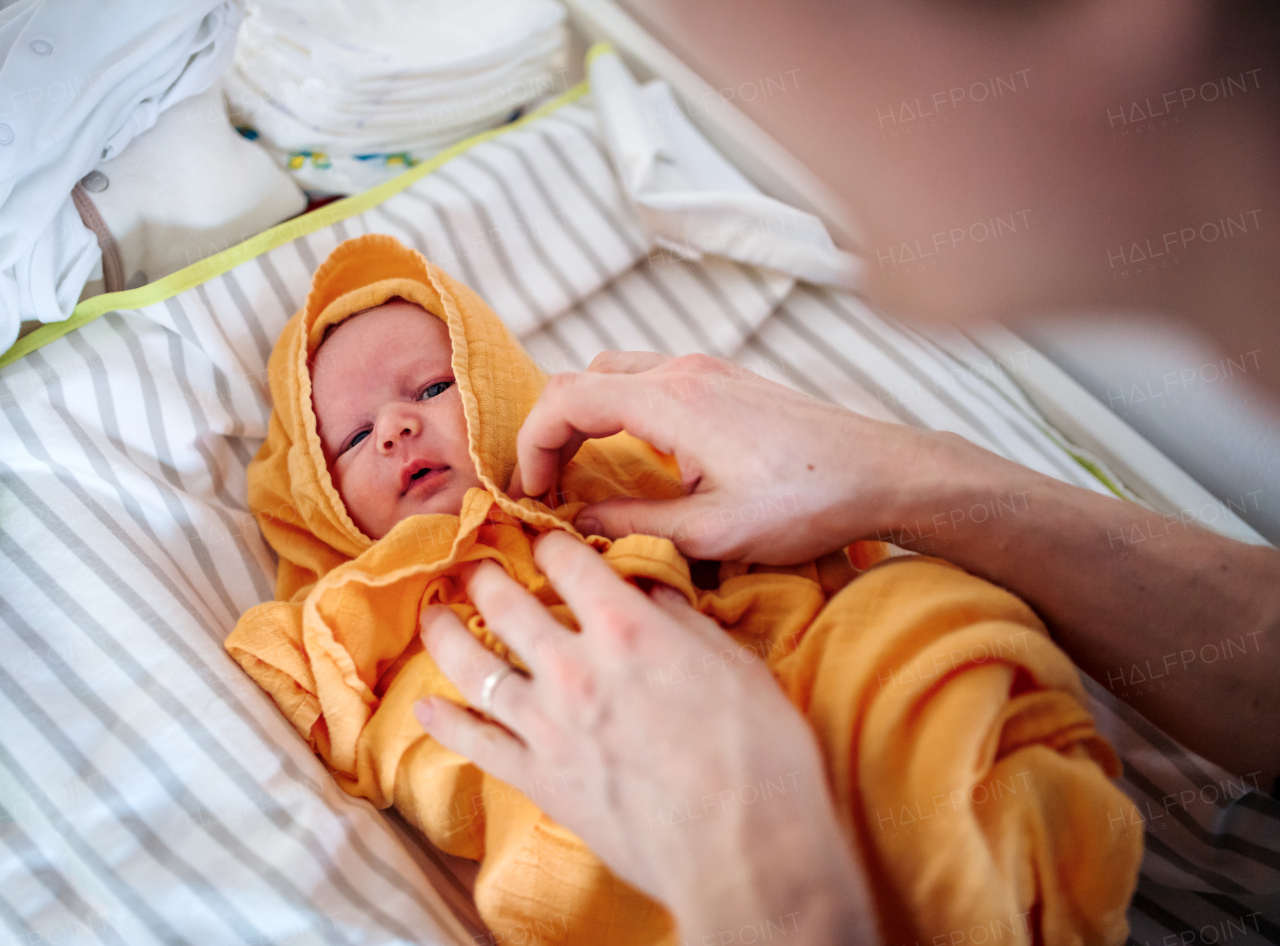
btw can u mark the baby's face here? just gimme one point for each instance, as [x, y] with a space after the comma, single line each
[390, 417]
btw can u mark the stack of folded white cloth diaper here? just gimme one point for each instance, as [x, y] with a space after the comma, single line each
[80, 79]
[347, 96]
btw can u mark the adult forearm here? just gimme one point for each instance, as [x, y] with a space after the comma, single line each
[1179, 622]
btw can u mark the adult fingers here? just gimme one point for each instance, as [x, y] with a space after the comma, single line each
[517, 617]
[606, 606]
[626, 362]
[467, 663]
[607, 362]
[581, 406]
[487, 745]
[673, 519]
[675, 604]
[515, 488]
[693, 523]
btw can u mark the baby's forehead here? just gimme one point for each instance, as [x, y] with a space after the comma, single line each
[396, 327]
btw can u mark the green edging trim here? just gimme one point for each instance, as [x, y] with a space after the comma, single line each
[597, 49]
[283, 233]
[1090, 466]
[1099, 475]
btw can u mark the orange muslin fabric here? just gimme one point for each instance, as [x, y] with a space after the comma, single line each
[969, 774]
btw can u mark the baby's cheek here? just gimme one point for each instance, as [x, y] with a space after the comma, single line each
[359, 496]
[341, 484]
[458, 434]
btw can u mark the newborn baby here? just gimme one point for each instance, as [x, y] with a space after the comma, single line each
[390, 416]
[975, 788]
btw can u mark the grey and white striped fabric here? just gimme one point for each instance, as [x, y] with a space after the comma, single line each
[149, 792]
[1211, 869]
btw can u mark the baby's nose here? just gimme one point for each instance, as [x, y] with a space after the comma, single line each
[400, 425]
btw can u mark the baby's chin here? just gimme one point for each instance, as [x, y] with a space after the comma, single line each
[441, 492]
[445, 499]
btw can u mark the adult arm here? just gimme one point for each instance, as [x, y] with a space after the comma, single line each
[1181, 623]
[772, 476]
[620, 756]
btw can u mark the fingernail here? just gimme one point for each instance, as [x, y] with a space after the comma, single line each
[429, 615]
[514, 489]
[587, 526]
[425, 712]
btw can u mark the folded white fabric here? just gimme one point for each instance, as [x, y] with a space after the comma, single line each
[347, 96]
[80, 79]
[186, 189]
[694, 202]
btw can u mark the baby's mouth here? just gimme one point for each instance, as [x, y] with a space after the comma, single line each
[426, 476]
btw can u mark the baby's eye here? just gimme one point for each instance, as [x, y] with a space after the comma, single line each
[431, 390]
[356, 439]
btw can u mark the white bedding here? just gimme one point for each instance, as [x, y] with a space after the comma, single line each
[81, 80]
[149, 792]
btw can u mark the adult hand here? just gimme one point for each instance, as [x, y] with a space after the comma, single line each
[779, 478]
[625, 745]
[772, 475]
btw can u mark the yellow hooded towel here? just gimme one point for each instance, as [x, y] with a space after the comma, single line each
[971, 780]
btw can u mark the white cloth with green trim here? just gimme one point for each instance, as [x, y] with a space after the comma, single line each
[80, 79]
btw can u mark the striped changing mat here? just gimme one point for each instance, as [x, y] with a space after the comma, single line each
[149, 792]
